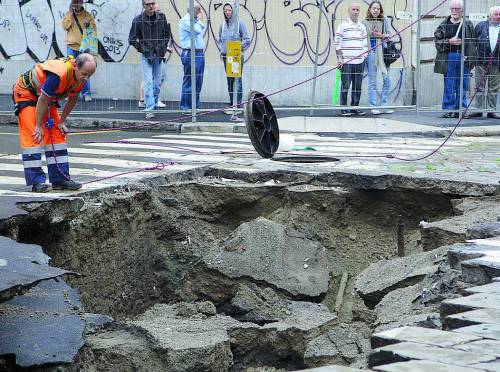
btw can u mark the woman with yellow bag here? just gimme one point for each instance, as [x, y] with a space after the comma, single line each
[81, 35]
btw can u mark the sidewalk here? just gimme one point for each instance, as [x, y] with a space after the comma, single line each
[326, 122]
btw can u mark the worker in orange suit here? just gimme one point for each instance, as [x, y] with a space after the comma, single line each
[35, 95]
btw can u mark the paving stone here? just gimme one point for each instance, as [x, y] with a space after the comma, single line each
[409, 350]
[422, 366]
[473, 317]
[472, 302]
[420, 335]
[491, 347]
[491, 331]
[490, 366]
[493, 288]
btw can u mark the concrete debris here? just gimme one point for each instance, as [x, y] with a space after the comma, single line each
[345, 344]
[452, 230]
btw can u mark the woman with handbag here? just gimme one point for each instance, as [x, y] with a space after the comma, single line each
[378, 28]
[76, 22]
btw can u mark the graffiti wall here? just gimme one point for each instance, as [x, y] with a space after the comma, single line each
[282, 31]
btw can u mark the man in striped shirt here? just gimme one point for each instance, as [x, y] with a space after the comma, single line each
[351, 45]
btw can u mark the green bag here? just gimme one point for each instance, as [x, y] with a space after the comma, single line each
[336, 87]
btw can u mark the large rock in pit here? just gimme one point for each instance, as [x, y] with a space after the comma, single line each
[382, 277]
[267, 253]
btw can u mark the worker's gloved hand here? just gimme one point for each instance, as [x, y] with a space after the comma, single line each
[38, 134]
[63, 128]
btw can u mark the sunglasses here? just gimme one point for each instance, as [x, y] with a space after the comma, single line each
[149, 4]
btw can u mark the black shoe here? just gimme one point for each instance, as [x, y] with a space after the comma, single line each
[455, 115]
[358, 112]
[493, 115]
[40, 187]
[345, 113]
[447, 115]
[476, 115]
[67, 185]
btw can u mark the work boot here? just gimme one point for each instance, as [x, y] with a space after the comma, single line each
[40, 187]
[67, 185]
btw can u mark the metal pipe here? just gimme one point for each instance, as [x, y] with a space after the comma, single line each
[419, 68]
[193, 62]
[316, 57]
[236, 8]
[400, 232]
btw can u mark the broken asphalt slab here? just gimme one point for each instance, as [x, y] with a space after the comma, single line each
[43, 326]
[22, 266]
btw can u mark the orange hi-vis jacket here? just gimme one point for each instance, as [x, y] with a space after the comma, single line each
[29, 85]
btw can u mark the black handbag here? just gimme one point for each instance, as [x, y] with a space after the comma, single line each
[390, 51]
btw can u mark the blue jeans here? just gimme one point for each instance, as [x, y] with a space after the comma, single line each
[186, 83]
[452, 83]
[86, 87]
[151, 75]
[230, 85]
[371, 66]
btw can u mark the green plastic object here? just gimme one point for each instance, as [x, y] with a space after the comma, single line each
[303, 148]
[336, 87]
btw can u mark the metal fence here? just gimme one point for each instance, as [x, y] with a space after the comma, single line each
[290, 42]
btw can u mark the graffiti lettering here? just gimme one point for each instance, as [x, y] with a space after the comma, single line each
[34, 20]
[5, 23]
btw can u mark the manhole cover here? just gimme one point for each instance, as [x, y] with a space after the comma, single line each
[262, 124]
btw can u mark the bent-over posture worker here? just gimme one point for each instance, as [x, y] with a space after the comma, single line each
[36, 93]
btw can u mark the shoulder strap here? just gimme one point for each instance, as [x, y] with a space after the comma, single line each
[77, 23]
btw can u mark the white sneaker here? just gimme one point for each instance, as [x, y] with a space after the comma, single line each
[87, 98]
[161, 104]
[141, 104]
[388, 111]
[228, 112]
[376, 112]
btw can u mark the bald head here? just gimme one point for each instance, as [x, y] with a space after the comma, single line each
[354, 10]
[495, 15]
[85, 67]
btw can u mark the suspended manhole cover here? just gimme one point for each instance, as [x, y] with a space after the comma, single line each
[262, 124]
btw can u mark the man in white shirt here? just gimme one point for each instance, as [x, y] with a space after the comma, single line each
[488, 63]
[351, 45]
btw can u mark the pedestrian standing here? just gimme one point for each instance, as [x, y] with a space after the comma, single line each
[351, 45]
[35, 94]
[378, 28]
[232, 29]
[150, 35]
[74, 22]
[185, 43]
[488, 63]
[163, 75]
[448, 42]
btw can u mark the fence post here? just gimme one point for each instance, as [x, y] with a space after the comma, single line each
[462, 59]
[419, 68]
[193, 62]
[316, 57]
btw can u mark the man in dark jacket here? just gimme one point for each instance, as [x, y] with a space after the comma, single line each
[150, 34]
[488, 63]
[448, 41]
